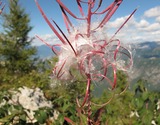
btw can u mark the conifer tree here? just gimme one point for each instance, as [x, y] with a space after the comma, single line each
[16, 52]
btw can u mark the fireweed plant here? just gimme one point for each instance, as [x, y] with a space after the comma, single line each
[88, 49]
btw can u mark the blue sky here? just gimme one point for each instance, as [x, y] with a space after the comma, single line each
[145, 21]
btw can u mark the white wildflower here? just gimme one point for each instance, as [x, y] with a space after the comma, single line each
[16, 120]
[158, 105]
[9, 112]
[2, 103]
[153, 122]
[134, 113]
[56, 114]
[30, 116]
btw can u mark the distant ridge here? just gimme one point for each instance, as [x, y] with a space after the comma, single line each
[147, 63]
[44, 52]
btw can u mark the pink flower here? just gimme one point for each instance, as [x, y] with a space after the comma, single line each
[86, 47]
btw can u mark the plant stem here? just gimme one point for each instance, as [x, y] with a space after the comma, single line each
[89, 103]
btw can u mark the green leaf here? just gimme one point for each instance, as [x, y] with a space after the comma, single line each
[139, 103]
[145, 95]
[147, 117]
[41, 116]
[23, 117]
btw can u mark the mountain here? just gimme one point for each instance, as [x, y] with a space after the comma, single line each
[44, 52]
[147, 63]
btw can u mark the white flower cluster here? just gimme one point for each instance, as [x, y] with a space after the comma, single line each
[31, 100]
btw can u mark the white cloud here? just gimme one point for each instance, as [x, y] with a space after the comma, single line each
[158, 19]
[138, 30]
[134, 30]
[143, 23]
[117, 23]
[153, 12]
[153, 27]
[149, 28]
[156, 33]
[51, 39]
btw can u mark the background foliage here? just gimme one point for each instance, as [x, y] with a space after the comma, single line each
[18, 62]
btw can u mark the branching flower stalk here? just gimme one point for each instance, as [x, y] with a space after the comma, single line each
[87, 51]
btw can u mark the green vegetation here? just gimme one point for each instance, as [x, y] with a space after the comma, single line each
[18, 63]
[131, 107]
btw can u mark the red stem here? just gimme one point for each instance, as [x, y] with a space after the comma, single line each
[48, 22]
[87, 90]
[89, 18]
[123, 24]
[89, 106]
